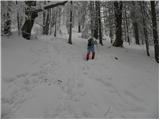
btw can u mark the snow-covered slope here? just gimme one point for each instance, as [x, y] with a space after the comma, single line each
[48, 78]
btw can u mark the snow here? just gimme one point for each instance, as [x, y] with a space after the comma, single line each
[49, 78]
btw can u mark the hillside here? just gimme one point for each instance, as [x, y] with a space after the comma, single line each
[49, 78]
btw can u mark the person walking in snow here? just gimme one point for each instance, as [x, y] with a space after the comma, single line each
[91, 48]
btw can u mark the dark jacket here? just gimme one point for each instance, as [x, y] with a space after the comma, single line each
[91, 43]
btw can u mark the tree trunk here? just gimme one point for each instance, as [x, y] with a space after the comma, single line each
[110, 24]
[79, 27]
[18, 20]
[47, 22]
[125, 31]
[126, 24]
[55, 31]
[136, 32]
[135, 23]
[44, 20]
[99, 22]
[70, 28]
[96, 28]
[27, 27]
[79, 21]
[83, 18]
[155, 33]
[144, 28]
[59, 21]
[118, 20]
[92, 17]
[47, 19]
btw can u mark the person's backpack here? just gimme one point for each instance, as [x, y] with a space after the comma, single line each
[90, 42]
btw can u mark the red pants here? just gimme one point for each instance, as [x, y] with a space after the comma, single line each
[87, 56]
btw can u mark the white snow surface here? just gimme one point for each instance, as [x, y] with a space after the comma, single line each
[49, 78]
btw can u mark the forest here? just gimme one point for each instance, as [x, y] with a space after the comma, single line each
[125, 21]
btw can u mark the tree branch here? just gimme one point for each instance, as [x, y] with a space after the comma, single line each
[50, 6]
